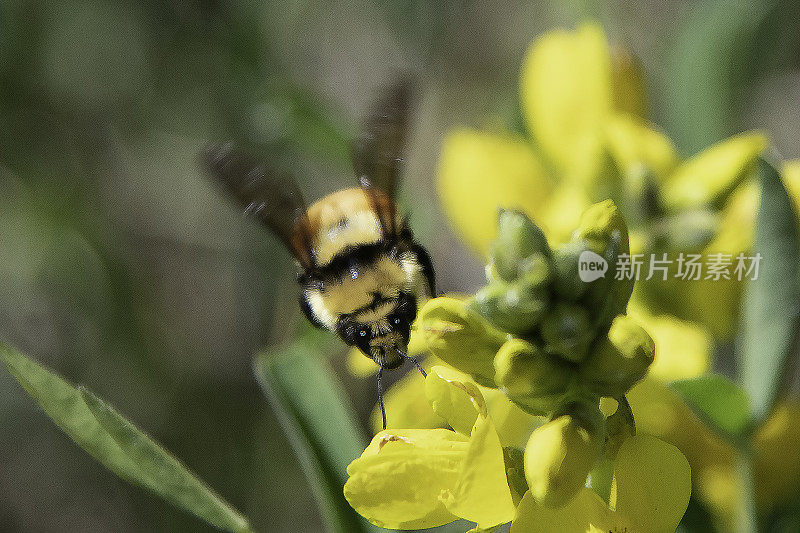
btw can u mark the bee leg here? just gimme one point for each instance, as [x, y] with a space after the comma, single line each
[380, 397]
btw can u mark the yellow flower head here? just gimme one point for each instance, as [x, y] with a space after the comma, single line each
[413, 478]
[583, 103]
[651, 489]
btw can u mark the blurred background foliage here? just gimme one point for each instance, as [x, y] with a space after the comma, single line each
[124, 269]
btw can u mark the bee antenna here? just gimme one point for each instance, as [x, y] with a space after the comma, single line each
[380, 397]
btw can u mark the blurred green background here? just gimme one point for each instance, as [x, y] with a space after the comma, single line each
[124, 269]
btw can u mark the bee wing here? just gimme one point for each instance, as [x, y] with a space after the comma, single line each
[275, 199]
[378, 152]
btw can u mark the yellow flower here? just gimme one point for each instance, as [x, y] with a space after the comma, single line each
[406, 405]
[469, 161]
[682, 349]
[582, 103]
[461, 337]
[650, 493]
[566, 91]
[776, 460]
[416, 478]
[558, 458]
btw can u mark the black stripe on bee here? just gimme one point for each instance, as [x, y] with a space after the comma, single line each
[347, 262]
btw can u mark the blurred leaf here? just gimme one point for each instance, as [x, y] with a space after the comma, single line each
[771, 304]
[710, 67]
[161, 472]
[717, 401]
[319, 423]
[116, 443]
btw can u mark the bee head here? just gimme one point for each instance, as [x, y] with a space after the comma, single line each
[383, 333]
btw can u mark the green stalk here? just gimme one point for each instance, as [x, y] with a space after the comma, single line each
[746, 518]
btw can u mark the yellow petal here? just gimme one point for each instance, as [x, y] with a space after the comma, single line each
[716, 304]
[482, 494]
[461, 337]
[398, 480]
[683, 349]
[627, 82]
[406, 406]
[659, 411]
[455, 398]
[565, 87]
[360, 365]
[652, 484]
[562, 214]
[480, 172]
[585, 512]
[715, 172]
[514, 426]
[634, 144]
[558, 458]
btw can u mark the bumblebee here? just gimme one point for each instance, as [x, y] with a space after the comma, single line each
[361, 273]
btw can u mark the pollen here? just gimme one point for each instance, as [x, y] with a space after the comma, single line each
[389, 438]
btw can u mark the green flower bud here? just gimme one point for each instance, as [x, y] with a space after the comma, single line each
[558, 457]
[605, 233]
[567, 331]
[568, 284]
[619, 427]
[512, 307]
[461, 337]
[517, 239]
[534, 380]
[535, 270]
[598, 225]
[618, 359]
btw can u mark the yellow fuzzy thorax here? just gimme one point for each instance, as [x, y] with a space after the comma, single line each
[384, 277]
[341, 219]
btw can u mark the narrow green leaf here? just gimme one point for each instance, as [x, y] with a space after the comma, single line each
[320, 425]
[714, 56]
[719, 402]
[117, 444]
[771, 304]
[161, 472]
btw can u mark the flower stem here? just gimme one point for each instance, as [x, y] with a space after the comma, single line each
[746, 521]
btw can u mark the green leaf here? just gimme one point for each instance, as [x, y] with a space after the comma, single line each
[718, 401]
[706, 91]
[116, 443]
[771, 303]
[320, 424]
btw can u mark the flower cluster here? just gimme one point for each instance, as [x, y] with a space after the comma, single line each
[583, 104]
[540, 340]
[551, 342]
